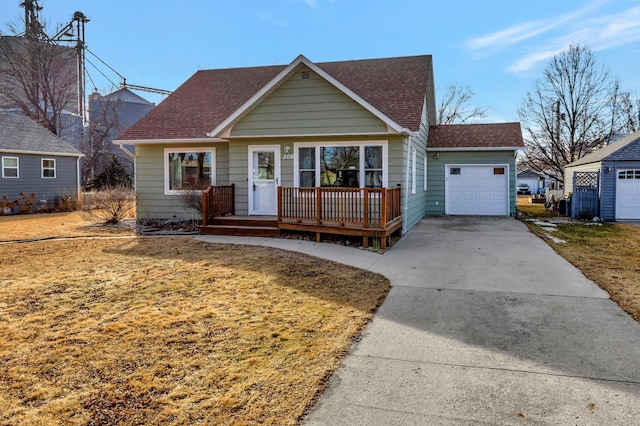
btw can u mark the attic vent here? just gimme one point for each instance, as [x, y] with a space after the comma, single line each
[304, 75]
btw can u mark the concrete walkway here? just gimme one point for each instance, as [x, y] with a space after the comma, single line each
[484, 324]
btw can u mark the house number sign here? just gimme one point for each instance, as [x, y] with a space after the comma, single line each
[287, 152]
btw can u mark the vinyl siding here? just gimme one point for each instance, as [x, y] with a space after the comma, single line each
[152, 203]
[436, 174]
[30, 179]
[307, 107]
[416, 203]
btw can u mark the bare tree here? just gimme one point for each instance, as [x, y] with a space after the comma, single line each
[455, 106]
[97, 141]
[38, 78]
[573, 109]
[630, 109]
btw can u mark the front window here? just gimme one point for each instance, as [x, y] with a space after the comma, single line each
[341, 166]
[188, 170]
[307, 167]
[48, 168]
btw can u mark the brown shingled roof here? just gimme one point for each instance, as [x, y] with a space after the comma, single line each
[395, 86]
[499, 135]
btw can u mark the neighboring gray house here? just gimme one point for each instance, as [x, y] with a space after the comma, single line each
[34, 160]
[619, 167]
[340, 136]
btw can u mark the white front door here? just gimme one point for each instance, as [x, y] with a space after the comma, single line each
[264, 178]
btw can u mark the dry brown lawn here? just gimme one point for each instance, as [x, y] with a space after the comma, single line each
[168, 330]
[607, 254]
[52, 225]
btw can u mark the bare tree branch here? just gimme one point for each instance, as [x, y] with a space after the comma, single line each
[455, 106]
[39, 79]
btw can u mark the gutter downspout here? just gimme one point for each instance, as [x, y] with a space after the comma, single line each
[405, 208]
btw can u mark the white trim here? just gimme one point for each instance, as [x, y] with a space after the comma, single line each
[414, 171]
[42, 168]
[478, 148]
[425, 171]
[315, 135]
[278, 79]
[507, 173]
[177, 141]
[277, 178]
[165, 161]
[17, 167]
[361, 144]
[54, 154]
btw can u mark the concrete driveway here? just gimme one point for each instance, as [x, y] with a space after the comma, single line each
[475, 332]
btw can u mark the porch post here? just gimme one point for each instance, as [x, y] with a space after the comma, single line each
[366, 208]
[383, 215]
[205, 210]
[319, 206]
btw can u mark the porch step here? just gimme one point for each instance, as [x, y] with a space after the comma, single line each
[254, 226]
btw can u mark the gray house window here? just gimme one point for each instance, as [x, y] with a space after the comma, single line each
[10, 167]
[48, 168]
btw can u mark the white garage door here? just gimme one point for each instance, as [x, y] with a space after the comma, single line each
[477, 190]
[628, 194]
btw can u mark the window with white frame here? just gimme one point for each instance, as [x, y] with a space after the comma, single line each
[10, 167]
[48, 168]
[350, 165]
[188, 169]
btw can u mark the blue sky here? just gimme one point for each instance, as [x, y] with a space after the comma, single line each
[497, 47]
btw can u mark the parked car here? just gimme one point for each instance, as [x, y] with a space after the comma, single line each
[523, 188]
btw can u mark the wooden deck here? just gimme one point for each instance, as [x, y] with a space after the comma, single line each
[362, 212]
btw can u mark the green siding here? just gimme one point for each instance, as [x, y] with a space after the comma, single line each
[152, 203]
[305, 107]
[436, 173]
[416, 202]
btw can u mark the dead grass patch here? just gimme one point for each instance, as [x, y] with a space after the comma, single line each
[55, 225]
[171, 331]
[607, 254]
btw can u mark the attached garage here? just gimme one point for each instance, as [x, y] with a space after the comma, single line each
[619, 167]
[628, 194]
[471, 169]
[477, 190]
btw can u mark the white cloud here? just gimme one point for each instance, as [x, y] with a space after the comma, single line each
[544, 39]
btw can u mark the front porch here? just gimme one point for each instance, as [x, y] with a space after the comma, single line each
[361, 212]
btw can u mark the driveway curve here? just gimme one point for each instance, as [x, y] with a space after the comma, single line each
[484, 324]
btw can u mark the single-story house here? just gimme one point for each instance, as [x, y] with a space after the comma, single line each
[534, 180]
[320, 147]
[618, 165]
[36, 161]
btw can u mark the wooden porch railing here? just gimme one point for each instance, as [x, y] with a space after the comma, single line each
[369, 208]
[217, 201]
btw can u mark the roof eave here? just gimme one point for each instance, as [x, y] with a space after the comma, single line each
[51, 153]
[175, 141]
[476, 148]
